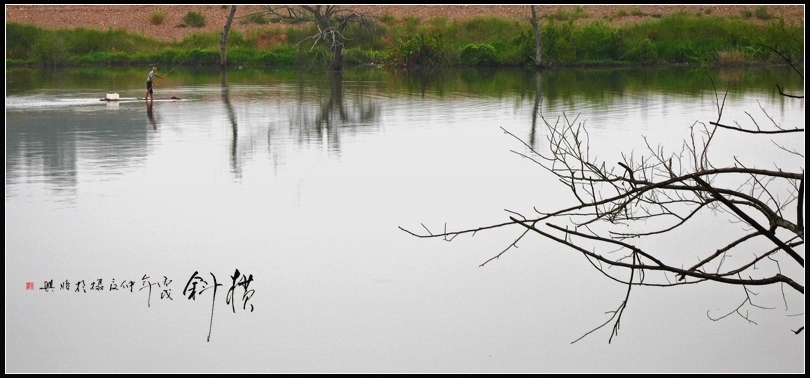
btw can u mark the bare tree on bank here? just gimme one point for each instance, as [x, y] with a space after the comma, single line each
[538, 46]
[223, 41]
[620, 207]
[331, 21]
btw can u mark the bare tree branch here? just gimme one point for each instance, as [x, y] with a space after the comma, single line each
[660, 193]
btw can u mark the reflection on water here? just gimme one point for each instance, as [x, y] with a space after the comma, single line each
[55, 145]
[235, 167]
[149, 114]
[302, 179]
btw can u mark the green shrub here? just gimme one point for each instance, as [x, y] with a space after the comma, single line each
[478, 55]
[164, 56]
[387, 19]
[157, 17]
[50, 51]
[208, 40]
[411, 22]
[597, 41]
[644, 52]
[194, 19]
[762, 13]
[425, 51]
[553, 34]
[565, 51]
[282, 56]
[255, 18]
[366, 35]
[197, 57]
[241, 55]
[519, 50]
[487, 29]
[677, 51]
[20, 38]
[567, 15]
[85, 40]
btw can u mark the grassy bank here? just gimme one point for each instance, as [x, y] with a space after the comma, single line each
[681, 38]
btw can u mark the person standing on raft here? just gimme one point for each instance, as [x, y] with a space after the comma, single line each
[149, 79]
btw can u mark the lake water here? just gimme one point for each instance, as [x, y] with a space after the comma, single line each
[254, 225]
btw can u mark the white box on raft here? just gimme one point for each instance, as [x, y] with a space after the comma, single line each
[111, 97]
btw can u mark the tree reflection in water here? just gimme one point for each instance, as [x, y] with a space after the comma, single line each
[332, 116]
[235, 166]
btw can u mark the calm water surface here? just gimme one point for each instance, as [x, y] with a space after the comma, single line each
[301, 182]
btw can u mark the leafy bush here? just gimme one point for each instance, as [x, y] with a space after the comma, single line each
[366, 34]
[241, 55]
[165, 56]
[597, 41]
[644, 52]
[762, 13]
[565, 51]
[157, 17]
[519, 50]
[85, 40]
[19, 39]
[282, 56]
[50, 51]
[487, 29]
[677, 51]
[556, 42]
[387, 19]
[425, 51]
[194, 19]
[478, 55]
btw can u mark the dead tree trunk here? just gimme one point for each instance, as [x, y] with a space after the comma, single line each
[538, 60]
[223, 42]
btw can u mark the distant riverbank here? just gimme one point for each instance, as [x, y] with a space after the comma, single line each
[441, 35]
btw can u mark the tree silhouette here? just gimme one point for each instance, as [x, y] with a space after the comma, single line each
[620, 207]
[331, 21]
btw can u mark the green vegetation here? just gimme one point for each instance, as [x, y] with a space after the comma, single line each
[762, 13]
[255, 18]
[567, 15]
[157, 17]
[426, 51]
[683, 38]
[194, 19]
[620, 13]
